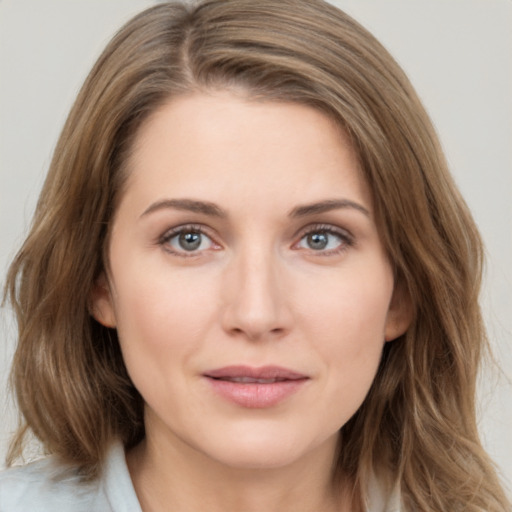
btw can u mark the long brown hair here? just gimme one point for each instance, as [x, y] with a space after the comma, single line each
[417, 423]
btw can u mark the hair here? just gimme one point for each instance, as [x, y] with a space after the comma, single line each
[417, 423]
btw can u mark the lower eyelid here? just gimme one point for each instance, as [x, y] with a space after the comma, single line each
[346, 240]
[341, 242]
[165, 239]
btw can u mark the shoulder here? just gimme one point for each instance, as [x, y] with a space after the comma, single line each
[48, 485]
[382, 495]
[45, 485]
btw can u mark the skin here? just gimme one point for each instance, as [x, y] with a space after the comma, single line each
[257, 291]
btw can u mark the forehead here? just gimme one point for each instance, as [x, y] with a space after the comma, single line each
[225, 145]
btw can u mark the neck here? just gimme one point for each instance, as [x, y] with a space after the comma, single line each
[170, 477]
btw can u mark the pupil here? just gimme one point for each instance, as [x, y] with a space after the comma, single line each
[317, 241]
[190, 241]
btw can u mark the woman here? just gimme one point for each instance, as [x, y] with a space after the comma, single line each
[251, 283]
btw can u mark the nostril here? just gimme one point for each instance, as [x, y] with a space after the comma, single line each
[255, 334]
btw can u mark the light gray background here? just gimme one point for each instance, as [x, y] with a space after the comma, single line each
[458, 54]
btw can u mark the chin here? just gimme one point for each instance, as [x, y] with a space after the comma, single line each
[264, 449]
[254, 459]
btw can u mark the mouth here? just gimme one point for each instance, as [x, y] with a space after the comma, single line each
[250, 380]
[255, 388]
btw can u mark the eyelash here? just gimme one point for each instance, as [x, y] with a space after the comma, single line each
[346, 239]
[188, 228]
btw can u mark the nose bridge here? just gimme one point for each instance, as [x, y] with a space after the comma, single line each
[256, 302]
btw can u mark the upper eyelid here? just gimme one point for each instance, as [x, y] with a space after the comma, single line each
[347, 239]
[319, 226]
[324, 227]
[171, 232]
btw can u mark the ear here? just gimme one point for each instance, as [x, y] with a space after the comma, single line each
[400, 313]
[102, 307]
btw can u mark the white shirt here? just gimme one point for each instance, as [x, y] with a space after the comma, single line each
[46, 486]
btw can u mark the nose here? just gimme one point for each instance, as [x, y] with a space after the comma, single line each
[256, 305]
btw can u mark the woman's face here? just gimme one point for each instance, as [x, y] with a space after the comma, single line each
[248, 284]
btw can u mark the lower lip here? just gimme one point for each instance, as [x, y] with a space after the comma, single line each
[255, 395]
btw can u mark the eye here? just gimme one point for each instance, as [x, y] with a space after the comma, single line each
[187, 240]
[324, 240]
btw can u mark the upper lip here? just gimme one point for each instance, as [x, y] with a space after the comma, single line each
[262, 372]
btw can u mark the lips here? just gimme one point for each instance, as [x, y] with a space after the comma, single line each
[255, 388]
[251, 380]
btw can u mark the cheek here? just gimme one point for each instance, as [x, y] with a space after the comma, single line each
[161, 324]
[160, 299]
[347, 321]
[351, 306]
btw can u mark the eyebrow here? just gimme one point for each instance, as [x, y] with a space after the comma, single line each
[212, 210]
[326, 206]
[190, 205]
